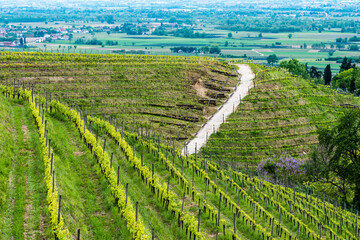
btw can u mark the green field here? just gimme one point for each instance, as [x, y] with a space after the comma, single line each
[241, 43]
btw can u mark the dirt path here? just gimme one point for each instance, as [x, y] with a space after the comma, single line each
[213, 124]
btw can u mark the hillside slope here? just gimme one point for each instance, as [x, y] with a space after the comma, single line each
[281, 114]
[168, 195]
[167, 94]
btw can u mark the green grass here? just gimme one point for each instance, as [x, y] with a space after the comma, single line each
[24, 214]
[87, 201]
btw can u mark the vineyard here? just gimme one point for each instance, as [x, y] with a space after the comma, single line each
[68, 172]
[281, 114]
[129, 89]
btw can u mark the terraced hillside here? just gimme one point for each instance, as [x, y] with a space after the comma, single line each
[114, 184]
[167, 94]
[281, 114]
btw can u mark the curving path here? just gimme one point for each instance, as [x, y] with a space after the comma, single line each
[213, 124]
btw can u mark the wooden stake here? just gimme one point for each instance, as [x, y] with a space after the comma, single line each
[137, 211]
[127, 192]
[118, 175]
[218, 223]
[59, 209]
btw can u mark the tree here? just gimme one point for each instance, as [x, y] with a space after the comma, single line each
[352, 84]
[214, 49]
[314, 73]
[230, 35]
[353, 47]
[346, 64]
[327, 75]
[290, 36]
[226, 44]
[110, 19]
[173, 19]
[271, 59]
[337, 159]
[295, 67]
[260, 35]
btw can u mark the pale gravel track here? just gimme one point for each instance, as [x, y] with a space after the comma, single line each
[213, 124]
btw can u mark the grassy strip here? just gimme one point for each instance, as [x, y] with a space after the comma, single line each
[87, 201]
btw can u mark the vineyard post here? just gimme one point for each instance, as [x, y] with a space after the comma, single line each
[272, 226]
[199, 218]
[152, 234]
[153, 170]
[111, 159]
[235, 222]
[142, 159]
[59, 209]
[45, 125]
[137, 211]
[118, 175]
[52, 163]
[53, 181]
[49, 148]
[78, 234]
[238, 198]
[193, 176]
[254, 212]
[127, 191]
[168, 186]
[226, 189]
[104, 145]
[43, 115]
[218, 223]
[183, 200]
[46, 106]
[195, 152]
[280, 220]
[205, 188]
[182, 165]
[266, 204]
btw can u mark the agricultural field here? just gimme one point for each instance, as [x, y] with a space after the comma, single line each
[102, 181]
[280, 115]
[241, 43]
[172, 96]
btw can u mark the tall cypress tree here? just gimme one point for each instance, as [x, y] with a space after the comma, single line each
[327, 75]
[344, 64]
[352, 84]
